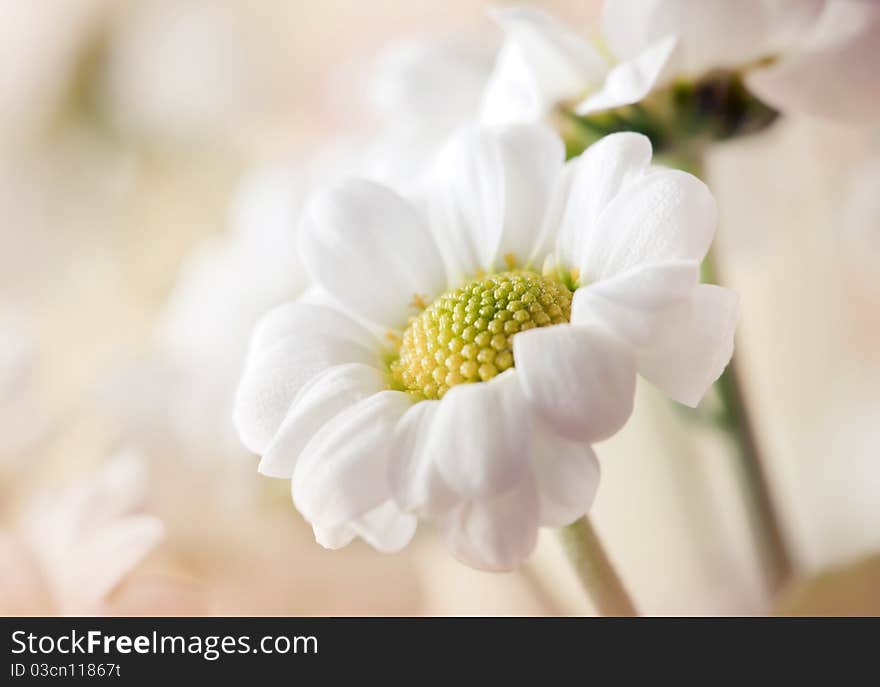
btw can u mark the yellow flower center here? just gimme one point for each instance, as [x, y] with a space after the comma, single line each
[466, 335]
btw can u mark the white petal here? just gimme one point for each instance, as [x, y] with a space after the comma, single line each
[112, 553]
[318, 401]
[306, 319]
[279, 365]
[630, 81]
[541, 63]
[335, 537]
[513, 94]
[415, 480]
[643, 306]
[342, 473]
[532, 158]
[566, 475]
[385, 528]
[686, 368]
[833, 71]
[371, 250]
[595, 178]
[664, 215]
[479, 436]
[580, 380]
[465, 202]
[497, 533]
[712, 33]
[434, 79]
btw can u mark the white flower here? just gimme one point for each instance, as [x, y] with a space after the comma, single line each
[824, 54]
[362, 405]
[542, 63]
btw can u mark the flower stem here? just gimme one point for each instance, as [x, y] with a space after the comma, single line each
[595, 571]
[764, 520]
[763, 517]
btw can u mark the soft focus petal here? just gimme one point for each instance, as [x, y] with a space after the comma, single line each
[643, 306]
[415, 480]
[342, 473]
[566, 476]
[371, 250]
[684, 369]
[440, 78]
[540, 64]
[833, 72]
[580, 380]
[108, 556]
[321, 399]
[479, 436]
[279, 364]
[632, 80]
[594, 179]
[465, 202]
[664, 215]
[712, 33]
[497, 533]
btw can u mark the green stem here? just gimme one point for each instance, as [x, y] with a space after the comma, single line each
[594, 569]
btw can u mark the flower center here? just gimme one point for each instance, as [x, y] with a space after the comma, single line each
[466, 334]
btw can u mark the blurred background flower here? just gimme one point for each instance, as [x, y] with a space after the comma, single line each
[154, 155]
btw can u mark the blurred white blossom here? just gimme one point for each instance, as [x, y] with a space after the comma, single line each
[543, 63]
[74, 546]
[820, 57]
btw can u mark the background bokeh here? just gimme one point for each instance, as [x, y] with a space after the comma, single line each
[130, 133]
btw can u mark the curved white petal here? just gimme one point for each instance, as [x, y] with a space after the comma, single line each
[630, 81]
[479, 436]
[496, 533]
[593, 180]
[541, 63]
[325, 396]
[465, 202]
[712, 33]
[643, 306]
[342, 473]
[532, 159]
[415, 480]
[685, 368]
[832, 73]
[566, 476]
[661, 216]
[335, 537]
[579, 379]
[306, 319]
[385, 528]
[371, 250]
[280, 364]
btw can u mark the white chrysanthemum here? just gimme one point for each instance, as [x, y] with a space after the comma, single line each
[821, 56]
[542, 63]
[480, 338]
